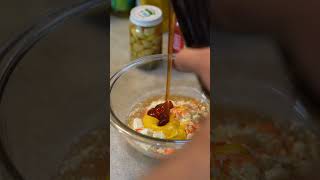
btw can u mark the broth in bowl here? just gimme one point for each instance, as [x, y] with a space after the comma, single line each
[250, 145]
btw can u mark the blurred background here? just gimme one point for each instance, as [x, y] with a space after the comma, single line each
[56, 96]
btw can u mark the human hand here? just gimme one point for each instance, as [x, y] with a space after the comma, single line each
[197, 61]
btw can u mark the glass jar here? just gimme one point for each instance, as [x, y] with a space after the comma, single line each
[145, 33]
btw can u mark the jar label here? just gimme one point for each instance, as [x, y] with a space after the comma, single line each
[144, 13]
[178, 42]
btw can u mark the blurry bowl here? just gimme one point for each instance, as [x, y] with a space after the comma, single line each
[242, 101]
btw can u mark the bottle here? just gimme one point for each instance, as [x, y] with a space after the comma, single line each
[145, 33]
[122, 7]
[193, 18]
[178, 42]
[164, 5]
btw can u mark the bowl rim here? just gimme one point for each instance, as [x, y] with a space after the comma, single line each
[13, 51]
[285, 93]
[114, 120]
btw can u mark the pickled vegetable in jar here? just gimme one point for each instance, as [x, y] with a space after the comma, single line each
[145, 33]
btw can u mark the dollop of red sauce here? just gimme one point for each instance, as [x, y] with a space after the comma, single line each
[161, 112]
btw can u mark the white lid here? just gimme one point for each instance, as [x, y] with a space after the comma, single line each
[146, 16]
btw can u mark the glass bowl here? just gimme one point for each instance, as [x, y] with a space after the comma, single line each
[52, 86]
[240, 101]
[280, 103]
[132, 85]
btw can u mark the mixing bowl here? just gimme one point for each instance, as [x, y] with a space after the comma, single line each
[130, 85]
[52, 89]
[242, 101]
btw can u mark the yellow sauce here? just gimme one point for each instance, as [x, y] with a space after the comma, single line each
[172, 130]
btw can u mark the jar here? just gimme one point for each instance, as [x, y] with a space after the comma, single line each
[178, 41]
[145, 33]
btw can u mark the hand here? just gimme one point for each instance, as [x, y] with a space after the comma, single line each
[197, 61]
[192, 162]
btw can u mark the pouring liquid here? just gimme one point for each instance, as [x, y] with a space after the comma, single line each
[162, 111]
[194, 22]
[172, 22]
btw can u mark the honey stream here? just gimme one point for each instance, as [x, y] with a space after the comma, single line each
[172, 21]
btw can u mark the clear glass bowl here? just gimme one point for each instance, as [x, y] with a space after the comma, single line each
[132, 85]
[279, 103]
[242, 100]
[51, 92]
